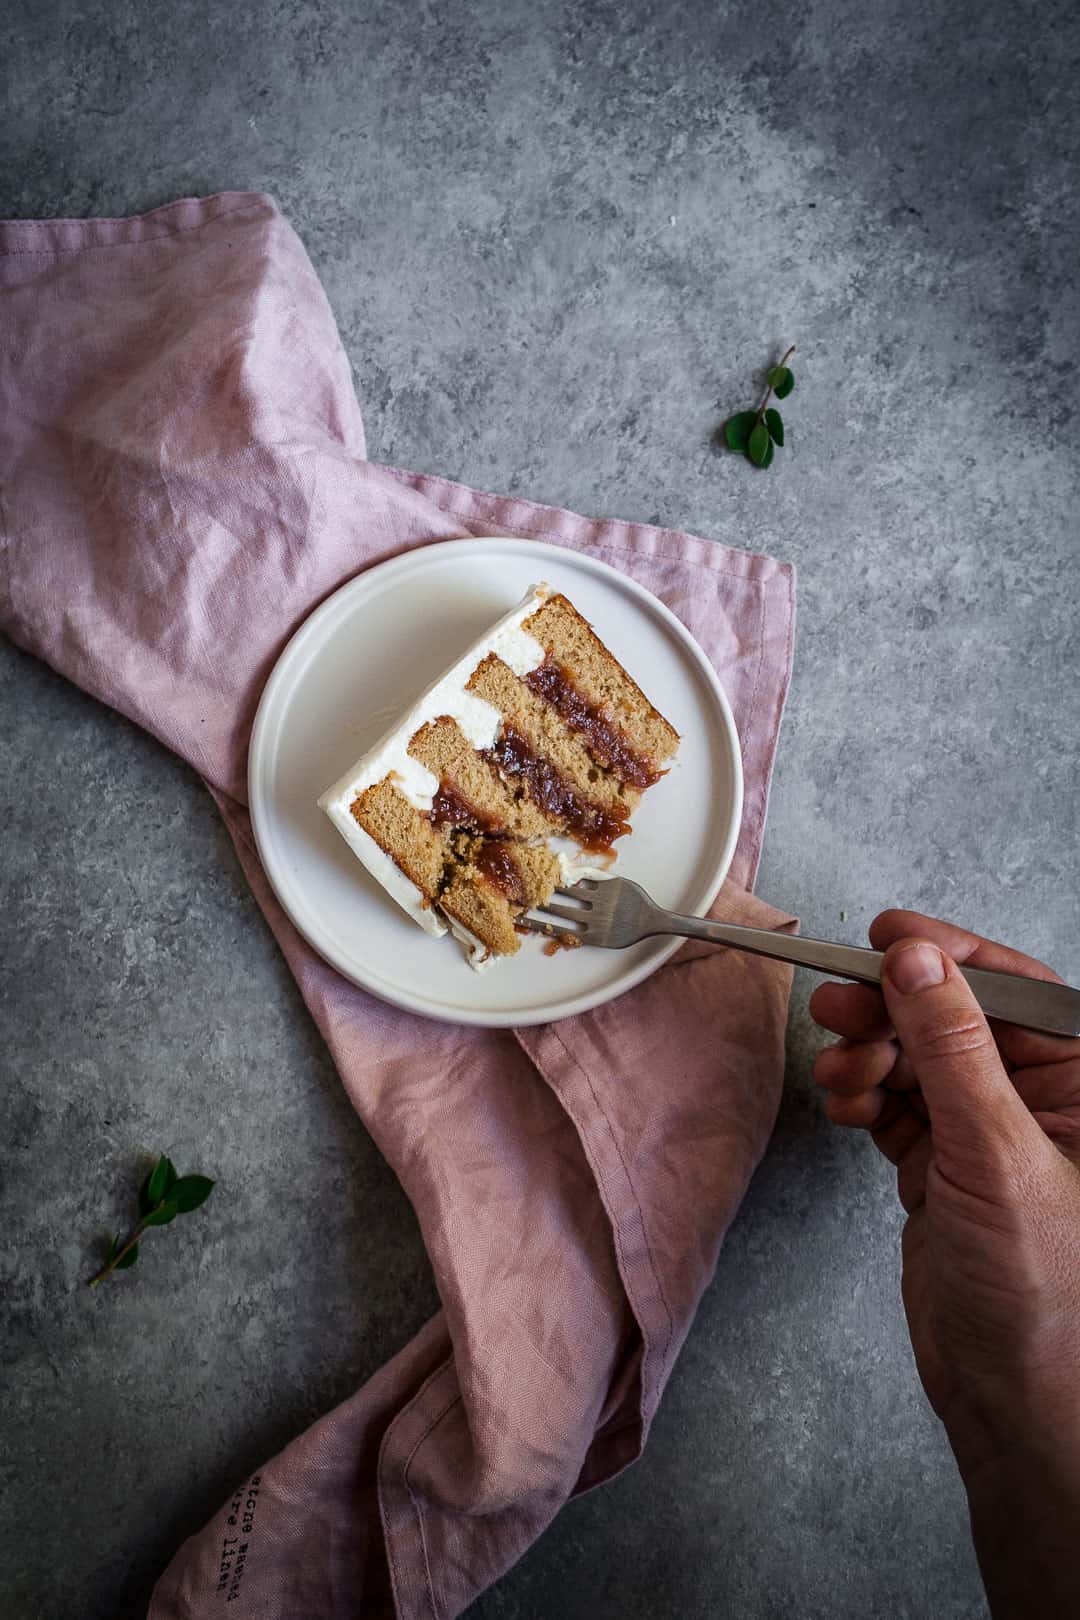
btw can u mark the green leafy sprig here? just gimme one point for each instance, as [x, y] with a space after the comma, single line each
[756, 434]
[162, 1197]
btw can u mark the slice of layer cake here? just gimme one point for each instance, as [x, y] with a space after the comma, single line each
[518, 769]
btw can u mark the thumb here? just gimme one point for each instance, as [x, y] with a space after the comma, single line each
[977, 1117]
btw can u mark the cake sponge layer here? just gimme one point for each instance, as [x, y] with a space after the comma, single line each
[492, 882]
[573, 647]
[410, 838]
[548, 735]
[471, 792]
[483, 881]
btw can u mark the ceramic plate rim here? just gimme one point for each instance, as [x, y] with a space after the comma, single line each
[261, 755]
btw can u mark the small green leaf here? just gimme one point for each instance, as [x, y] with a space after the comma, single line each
[781, 381]
[770, 452]
[758, 445]
[146, 1203]
[114, 1249]
[737, 429]
[161, 1181]
[775, 424]
[191, 1191]
[129, 1258]
[163, 1214]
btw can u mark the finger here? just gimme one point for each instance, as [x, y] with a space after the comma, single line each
[959, 943]
[1052, 1093]
[1050, 1088]
[863, 1112]
[1064, 1131]
[902, 1076]
[1019, 1046]
[853, 1010]
[898, 1130]
[849, 1068]
[1027, 1047]
[979, 1123]
[857, 1012]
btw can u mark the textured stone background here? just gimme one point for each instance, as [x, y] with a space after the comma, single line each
[561, 241]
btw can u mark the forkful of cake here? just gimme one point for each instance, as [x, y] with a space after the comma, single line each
[614, 913]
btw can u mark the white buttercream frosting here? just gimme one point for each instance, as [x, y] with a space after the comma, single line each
[479, 721]
[386, 871]
[481, 956]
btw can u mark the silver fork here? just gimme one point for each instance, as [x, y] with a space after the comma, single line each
[614, 913]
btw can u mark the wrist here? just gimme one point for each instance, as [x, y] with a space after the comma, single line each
[1014, 1433]
[1023, 1491]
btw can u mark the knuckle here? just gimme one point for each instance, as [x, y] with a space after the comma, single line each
[953, 1034]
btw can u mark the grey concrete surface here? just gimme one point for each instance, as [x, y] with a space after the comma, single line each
[561, 241]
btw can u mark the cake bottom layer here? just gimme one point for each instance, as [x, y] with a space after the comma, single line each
[491, 882]
[479, 880]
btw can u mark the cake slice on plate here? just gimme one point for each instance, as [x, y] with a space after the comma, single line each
[520, 767]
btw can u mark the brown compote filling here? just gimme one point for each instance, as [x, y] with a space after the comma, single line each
[606, 739]
[448, 808]
[494, 861]
[594, 827]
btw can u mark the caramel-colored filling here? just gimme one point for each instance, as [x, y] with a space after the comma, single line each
[606, 740]
[594, 827]
[450, 808]
[494, 861]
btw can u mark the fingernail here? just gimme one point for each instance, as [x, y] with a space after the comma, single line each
[916, 967]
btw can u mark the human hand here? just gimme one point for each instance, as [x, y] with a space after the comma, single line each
[983, 1127]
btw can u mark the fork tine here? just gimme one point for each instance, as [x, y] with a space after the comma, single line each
[571, 913]
[572, 894]
[535, 925]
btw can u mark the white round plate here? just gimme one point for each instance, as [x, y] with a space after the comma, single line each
[358, 662]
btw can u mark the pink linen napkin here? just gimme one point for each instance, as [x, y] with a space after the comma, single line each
[182, 479]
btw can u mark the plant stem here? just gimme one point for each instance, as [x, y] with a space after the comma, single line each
[768, 391]
[111, 1265]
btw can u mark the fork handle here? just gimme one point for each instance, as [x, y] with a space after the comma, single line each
[1034, 1003]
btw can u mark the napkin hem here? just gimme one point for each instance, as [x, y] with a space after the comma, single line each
[123, 230]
